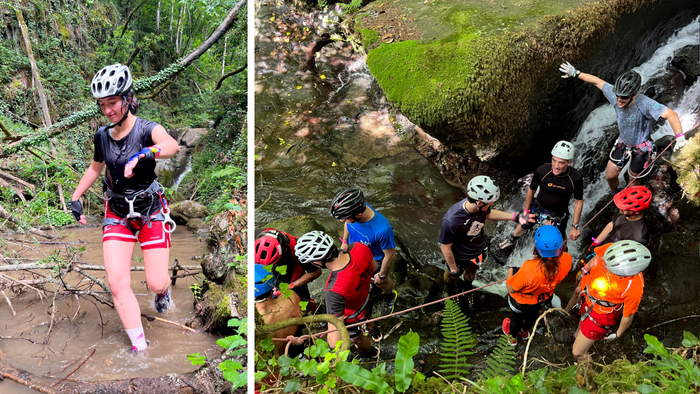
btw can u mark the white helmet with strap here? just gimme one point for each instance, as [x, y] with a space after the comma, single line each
[112, 80]
[627, 258]
[563, 150]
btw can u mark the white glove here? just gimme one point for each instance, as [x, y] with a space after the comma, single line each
[680, 142]
[568, 70]
[611, 337]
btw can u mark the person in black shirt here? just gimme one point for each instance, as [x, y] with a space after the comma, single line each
[628, 223]
[557, 182]
[136, 209]
[462, 238]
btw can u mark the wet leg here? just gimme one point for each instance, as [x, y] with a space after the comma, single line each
[612, 173]
[117, 260]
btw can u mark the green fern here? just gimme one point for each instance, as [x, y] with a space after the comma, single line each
[457, 340]
[501, 361]
[353, 6]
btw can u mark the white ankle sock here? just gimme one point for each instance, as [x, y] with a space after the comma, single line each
[138, 339]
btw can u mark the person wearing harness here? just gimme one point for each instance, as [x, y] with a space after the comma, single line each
[627, 224]
[276, 248]
[636, 114]
[135, 207]
[609, 294]
[557, 182]
[347, 287]
[532, 285]
[365, 225]
[274, 309]
[462, 239]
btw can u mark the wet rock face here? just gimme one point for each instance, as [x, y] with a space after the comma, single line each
[687, 60]
[192, 137]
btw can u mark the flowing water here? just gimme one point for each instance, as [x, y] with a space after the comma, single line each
[188, 168]
[79, 329]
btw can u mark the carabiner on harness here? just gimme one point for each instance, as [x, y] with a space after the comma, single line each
[166, 214]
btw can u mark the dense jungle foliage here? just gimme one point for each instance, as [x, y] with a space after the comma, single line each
[70, 41]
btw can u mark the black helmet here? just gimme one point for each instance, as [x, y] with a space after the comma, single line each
[348, 203]
[627, 84]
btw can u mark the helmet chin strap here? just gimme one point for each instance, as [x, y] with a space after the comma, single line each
[126, 115]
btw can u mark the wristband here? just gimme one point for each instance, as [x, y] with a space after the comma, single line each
[515, 215]
[595, 242]
[291, 286]
[343, 241]
[577, 73]
[526, 210]
[680, 135]
[149, 153]
[584, 270]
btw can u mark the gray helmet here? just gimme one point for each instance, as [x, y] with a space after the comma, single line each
[484, 189]
[563, 150]
[627, 84]
[627, 258]
[348, 203]
[112, 80]
[314, 246]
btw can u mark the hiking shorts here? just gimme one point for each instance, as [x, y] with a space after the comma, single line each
[597, 326]
[154, 237]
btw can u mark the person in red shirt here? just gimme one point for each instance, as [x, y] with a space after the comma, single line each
[532, 285]
[610, 293]
[347, 287]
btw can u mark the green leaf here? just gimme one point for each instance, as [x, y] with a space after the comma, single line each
[537, 377]
[408, 347]
[516, 384]
[267, 344]
[654, 346]
[419, 378]
[292, 386]
[231, 373]
[308, 367]
[282, 270]
[354, 374]
[645, 388]
[689, 340]
[379, 369]
[576, 390]
[303, 305]
[231, 342]
[566, 377]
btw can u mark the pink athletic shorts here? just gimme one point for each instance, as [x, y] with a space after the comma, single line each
[154, 237]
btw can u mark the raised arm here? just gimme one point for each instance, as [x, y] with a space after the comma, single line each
[571, 72]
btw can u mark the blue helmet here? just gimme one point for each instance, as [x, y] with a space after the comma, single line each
[548, 241]
[262, 285]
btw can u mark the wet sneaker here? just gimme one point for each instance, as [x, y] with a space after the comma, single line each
[372, 353]
[375, 334]
[387, 305]
[136, 350]
[162, 301]
[507, 243]
[506, 330]
[525, 334]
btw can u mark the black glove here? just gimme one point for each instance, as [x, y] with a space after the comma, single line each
[77, 209]
[456, 274]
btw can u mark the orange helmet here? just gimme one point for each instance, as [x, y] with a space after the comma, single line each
[635, 199]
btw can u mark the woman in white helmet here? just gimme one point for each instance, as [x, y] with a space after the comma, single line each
[610, 293]
[135, 209]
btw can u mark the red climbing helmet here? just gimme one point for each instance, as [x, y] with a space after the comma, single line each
[635, 199]
[268, 248]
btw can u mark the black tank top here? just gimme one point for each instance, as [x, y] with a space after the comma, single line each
[115, 155]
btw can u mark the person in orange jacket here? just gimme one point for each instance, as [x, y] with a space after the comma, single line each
[532, 285]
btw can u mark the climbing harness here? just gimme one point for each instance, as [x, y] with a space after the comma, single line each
[627, 155]
[134, 221]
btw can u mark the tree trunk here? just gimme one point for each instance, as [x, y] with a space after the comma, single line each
[40, 92]
[172, 11]
[177, 32]
[223, 58]
[158, 18]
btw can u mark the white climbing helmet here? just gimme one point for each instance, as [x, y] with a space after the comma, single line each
[484, 189]
[314, 246]
[627, 258]
[563, 150]
[112, 80]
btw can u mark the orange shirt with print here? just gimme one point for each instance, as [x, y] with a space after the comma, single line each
[604, 285]
[531, 281]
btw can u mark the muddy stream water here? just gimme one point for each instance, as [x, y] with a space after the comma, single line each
[79, 328]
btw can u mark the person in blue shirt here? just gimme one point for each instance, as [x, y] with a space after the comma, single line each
[365, 225]
[636, 114]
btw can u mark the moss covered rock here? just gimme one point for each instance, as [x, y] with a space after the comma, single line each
[480, 76]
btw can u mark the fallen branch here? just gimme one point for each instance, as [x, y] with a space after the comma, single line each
[44, 242]
[41, 296]
[13, 374]
[9, 303]
[21, 182]
[671, 321]
[534, 328]
[133, 56]
[76, 368]
[152, 318]
[229, 74]
[5, 215]
[92, 278]
[82, 266]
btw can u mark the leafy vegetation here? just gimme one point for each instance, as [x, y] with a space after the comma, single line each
[457, 340]
[502, 359]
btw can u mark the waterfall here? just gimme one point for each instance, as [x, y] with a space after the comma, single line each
[188, 168]
[590, 137]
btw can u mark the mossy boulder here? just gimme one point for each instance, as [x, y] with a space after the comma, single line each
[297, 225]
[482, 77]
